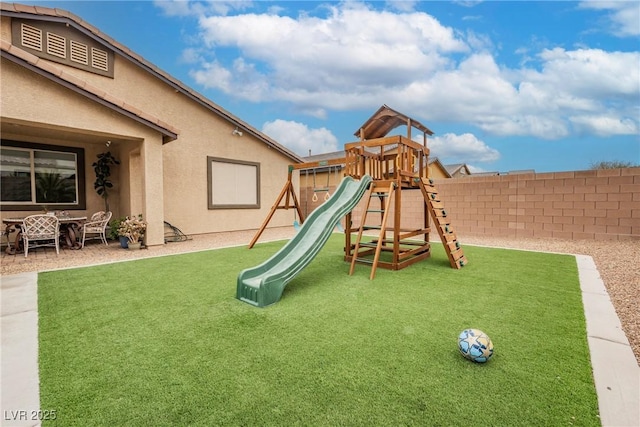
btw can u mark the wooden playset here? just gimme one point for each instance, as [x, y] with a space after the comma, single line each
[396, 164]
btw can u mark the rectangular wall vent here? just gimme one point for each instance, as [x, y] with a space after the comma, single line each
[56, 45]
[99, 59]
[31, 37]
[79, 52]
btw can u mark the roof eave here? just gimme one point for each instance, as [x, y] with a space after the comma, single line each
[59, 15]
[167, 134]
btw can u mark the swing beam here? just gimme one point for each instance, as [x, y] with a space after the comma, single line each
[289, 194]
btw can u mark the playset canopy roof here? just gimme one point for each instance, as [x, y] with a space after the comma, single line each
[384, 121]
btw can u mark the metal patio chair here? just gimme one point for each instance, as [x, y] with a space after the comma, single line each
[97, 226]
[40, 228]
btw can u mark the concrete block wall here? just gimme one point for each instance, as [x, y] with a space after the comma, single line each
[592, 204]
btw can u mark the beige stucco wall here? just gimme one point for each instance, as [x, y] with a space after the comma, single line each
[163, 182]
[202, 133]
[52, 114]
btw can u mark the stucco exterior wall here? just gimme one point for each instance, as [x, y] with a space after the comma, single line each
[202, 133]
[61, 117]
[163, 182]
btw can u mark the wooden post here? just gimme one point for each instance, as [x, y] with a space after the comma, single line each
[287, 191]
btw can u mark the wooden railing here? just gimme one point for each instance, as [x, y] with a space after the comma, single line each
[392, 158]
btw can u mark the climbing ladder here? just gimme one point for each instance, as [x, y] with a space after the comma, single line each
[380, 189]
[441, 223]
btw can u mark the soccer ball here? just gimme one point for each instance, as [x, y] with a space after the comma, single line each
[475, 345]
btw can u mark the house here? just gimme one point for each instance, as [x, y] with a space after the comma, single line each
[437, 169]
[71, 92]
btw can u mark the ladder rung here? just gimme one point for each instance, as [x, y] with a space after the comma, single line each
[376, 210]
[364, 260]
[368, 244]
[372, 245]
[371, 227]
[380, 194]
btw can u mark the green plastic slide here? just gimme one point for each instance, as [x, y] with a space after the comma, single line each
[263, 285]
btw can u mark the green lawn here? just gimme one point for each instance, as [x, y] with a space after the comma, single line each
[164, 342]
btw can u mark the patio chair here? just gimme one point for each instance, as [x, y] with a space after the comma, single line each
[97, 226]
[40, 228]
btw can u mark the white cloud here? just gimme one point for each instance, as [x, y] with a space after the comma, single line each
[534, 102]
[590, 72]
[463, 148]
[467, 3]
[605, 125]
[344, 53]
[299, 138]
[624, 16]
[198, 8]
[340, 60]
[402, 5]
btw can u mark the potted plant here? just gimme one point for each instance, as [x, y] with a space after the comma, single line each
[102, 168]
[133, 227]
[114, 225]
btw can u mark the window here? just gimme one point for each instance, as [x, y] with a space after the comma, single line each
[34, 175]
[233, 184]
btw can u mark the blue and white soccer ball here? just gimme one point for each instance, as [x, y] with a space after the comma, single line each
[475, 345]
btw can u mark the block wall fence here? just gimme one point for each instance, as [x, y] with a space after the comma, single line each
[592, 204]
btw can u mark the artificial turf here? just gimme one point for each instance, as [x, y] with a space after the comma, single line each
[164, 342]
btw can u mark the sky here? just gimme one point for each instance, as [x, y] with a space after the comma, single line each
[505, 86]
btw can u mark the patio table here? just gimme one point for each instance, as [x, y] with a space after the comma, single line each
[69, 229]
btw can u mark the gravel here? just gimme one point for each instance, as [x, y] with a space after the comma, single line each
[617, 261]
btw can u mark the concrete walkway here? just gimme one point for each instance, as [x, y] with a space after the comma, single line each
[20, 398]
[615, 370]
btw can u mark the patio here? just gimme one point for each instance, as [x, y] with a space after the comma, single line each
[95, 252]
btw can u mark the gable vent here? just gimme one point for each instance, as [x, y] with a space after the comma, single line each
[63, 44]
[79, 52]
[56, 45]
[99, 59]
[31, 37]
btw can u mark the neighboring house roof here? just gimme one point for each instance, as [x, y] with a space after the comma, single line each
[56, 73]
[324, 156]
[519, 171]
[458, 169]
[495, 173]
[384, 121]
